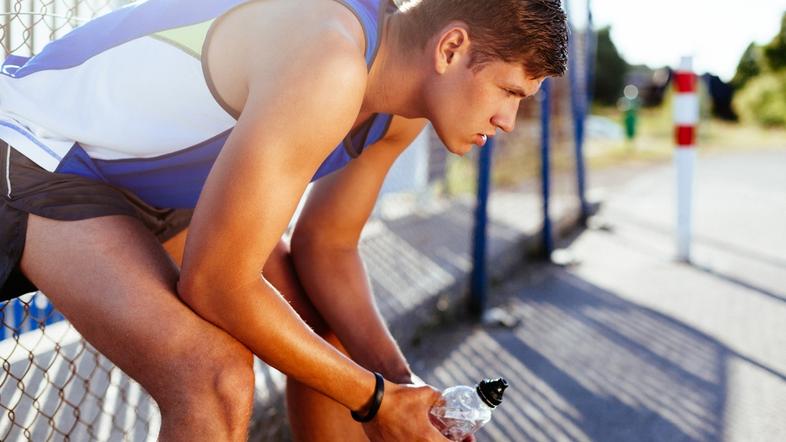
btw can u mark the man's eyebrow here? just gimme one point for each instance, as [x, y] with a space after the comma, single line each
[517, 91]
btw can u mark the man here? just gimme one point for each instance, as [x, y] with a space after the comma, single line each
[231, 108]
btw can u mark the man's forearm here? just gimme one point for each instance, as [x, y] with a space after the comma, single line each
[336, 282]
[289, 346]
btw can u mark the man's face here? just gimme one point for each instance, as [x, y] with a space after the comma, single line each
[464, 104]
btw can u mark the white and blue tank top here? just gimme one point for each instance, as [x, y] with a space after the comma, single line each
[124, 99]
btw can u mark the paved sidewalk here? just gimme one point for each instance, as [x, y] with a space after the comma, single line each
[630, 345]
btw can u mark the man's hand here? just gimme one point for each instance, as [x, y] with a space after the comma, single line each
[416, 381]
[403, 415]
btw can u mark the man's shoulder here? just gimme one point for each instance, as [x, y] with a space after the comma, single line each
[339, 66]
[329, 41]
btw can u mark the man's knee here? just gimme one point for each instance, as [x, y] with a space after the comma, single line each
[234, 389]
[210, 378]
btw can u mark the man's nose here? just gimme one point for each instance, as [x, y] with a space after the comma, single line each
[506, 118]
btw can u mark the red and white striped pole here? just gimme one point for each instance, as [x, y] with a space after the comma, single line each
[686, 117]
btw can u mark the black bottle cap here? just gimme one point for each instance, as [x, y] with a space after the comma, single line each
[491, 391]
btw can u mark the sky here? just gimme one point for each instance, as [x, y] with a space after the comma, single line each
[658, 33]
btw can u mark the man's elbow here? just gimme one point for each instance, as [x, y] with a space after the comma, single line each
[200, 291]
[206, 300]
[310, 244]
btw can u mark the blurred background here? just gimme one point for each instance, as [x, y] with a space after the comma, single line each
[550, 257]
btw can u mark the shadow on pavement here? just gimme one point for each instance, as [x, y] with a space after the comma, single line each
[725, 246]
[739, 282]
[586, 365]
[761, 259]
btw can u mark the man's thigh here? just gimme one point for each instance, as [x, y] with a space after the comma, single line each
[115, 283]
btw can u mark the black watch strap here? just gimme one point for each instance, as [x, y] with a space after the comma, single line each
[376, 400]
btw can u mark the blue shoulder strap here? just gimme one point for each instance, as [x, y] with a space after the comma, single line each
[371, 15]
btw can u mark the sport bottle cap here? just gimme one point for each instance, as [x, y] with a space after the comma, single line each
[491, 391]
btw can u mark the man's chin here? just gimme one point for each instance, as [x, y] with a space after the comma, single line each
[459, 149]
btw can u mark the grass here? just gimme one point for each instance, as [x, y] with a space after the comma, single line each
[517, 159]
[654, 140]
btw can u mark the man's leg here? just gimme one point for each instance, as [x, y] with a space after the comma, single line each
[112, 279]
[312, 415]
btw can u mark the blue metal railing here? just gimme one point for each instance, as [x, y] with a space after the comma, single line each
[545, 164]
[27, 313]
[581, 97]
[478, 280]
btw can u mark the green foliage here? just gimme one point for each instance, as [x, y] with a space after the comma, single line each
[763, 100]
[611, 69]
[761, 82]
[775, 51]
[748, 67]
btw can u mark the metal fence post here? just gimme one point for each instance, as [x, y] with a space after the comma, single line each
[578, 103]
[591, 43]
[479, 279]
[545, 138]
[7, 28]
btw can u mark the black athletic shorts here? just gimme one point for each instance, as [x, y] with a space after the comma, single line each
[27, 188]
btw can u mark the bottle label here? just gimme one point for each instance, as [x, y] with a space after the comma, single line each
[468, 415]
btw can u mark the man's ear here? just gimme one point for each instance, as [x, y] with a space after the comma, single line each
[452, 44]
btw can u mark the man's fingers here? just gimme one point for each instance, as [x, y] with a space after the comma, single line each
[434, 392]
[435, 435]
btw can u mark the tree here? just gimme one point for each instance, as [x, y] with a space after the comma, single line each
[762, 72]
[748, 67]
[775, 51]
[763, 100]
[610, 69]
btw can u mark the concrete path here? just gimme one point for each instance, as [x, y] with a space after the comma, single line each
[630, 345]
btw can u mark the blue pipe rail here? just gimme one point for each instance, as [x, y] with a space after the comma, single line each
[479, 279]
[25, 315]
[580, 99]
[545, 162]
[592, 44]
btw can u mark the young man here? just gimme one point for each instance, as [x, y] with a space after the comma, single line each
[231, 108]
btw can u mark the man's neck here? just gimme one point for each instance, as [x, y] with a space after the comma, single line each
[394, 81]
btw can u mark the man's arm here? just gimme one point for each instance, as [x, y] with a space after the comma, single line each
[325, 251]
[282, 136]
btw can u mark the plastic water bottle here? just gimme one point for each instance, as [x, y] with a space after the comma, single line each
[463, 409]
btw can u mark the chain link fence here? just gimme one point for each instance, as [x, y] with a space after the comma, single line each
[28, 25]
[54, 385]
